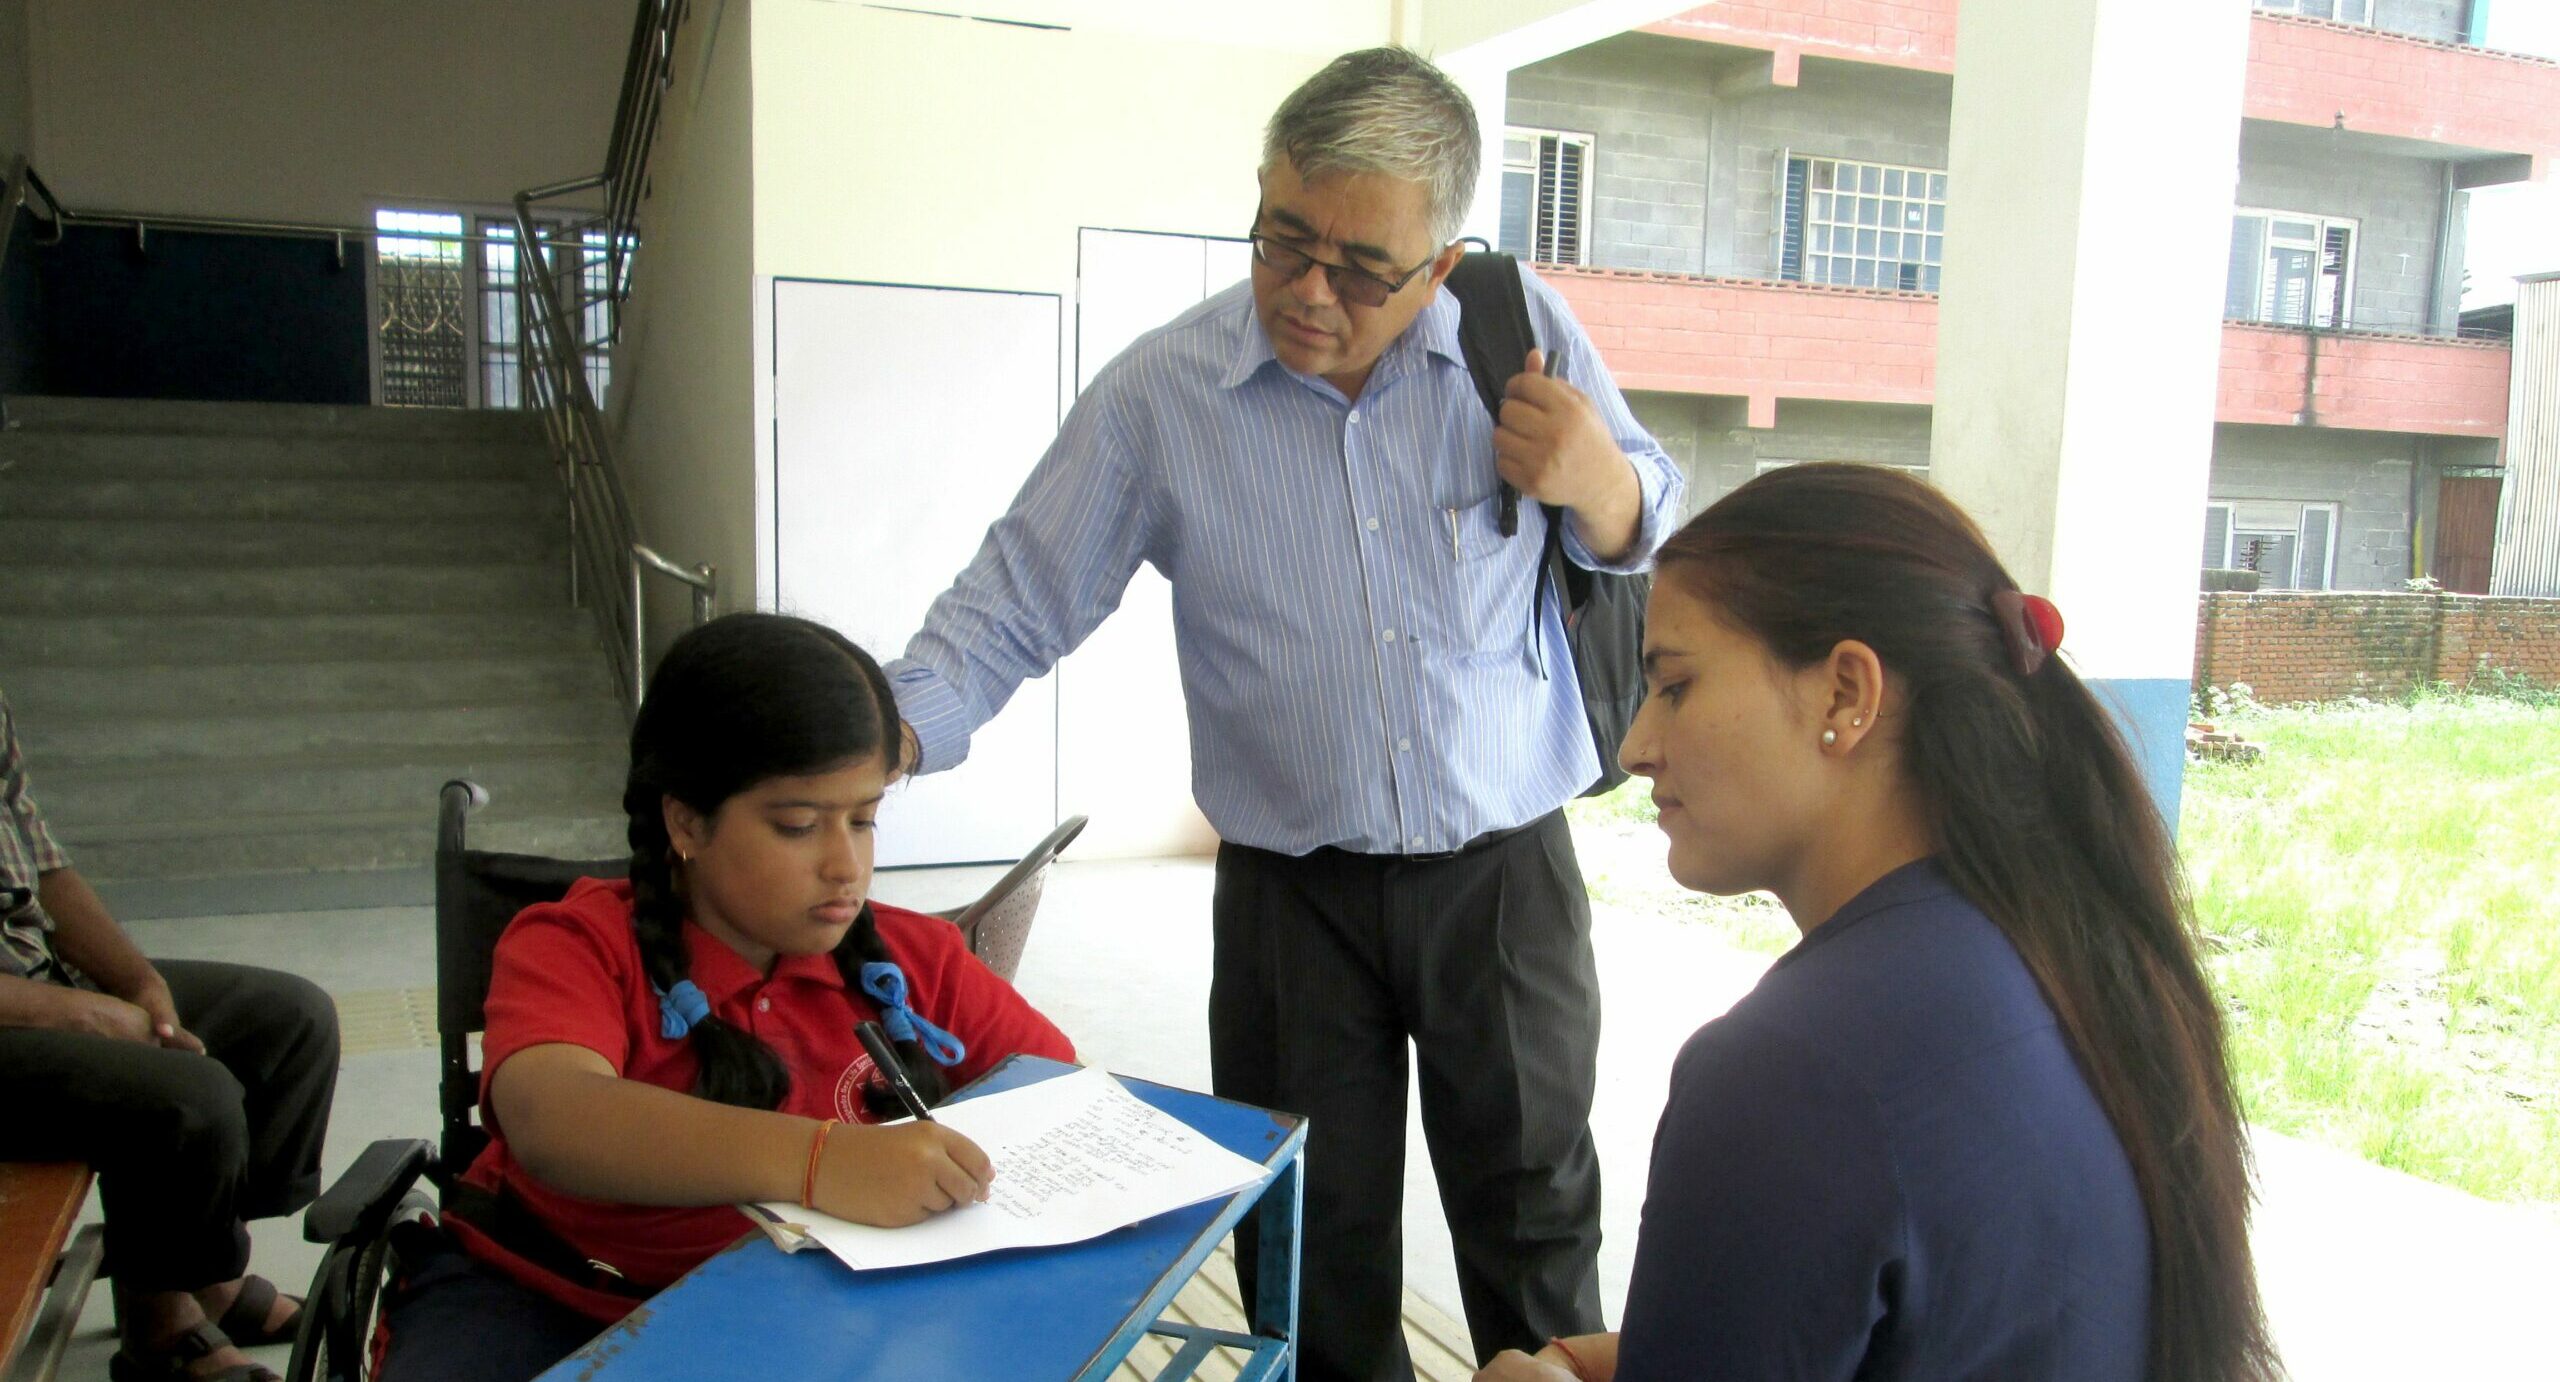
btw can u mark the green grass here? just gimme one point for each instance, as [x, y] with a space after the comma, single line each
[2385, 899]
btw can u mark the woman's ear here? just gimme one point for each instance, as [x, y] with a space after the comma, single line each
[1852, 692]
[687, 829]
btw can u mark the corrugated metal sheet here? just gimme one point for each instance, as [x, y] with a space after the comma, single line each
[2528, 555]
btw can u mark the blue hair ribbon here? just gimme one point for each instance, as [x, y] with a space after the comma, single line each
[680, 1007]
[887, 984]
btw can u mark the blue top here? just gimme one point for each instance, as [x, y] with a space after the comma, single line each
[1353, 630]
[1884, 1163]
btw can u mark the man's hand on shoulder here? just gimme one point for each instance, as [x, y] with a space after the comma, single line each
[1552, 445]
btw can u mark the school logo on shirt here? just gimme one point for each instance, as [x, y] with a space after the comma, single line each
[849, 1086]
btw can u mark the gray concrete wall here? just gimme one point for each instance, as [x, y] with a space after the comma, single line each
[2367, 474]
[17, 106]
[1687, 139]
[1708, 440]
[2441, 20]
[1646, 103]
[2397, 202]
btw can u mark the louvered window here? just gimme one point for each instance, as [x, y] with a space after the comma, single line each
[1545, 195]
[1861, 225]
[2344, 11]
[2291, 269]
[2291, 546]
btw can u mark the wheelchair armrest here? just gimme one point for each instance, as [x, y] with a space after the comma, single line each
[375, 1183]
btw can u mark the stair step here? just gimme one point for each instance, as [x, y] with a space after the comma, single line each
[92, 802]
[287, 590]
[301, 842]
[178, 456]
[107, 640]
[44, 495]
[219, 542]
[39, 413]
[48, 695]
[74, 745]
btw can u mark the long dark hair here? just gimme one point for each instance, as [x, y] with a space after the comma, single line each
[739, 700]
[2040, 819]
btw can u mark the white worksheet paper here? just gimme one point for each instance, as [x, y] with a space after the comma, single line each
[1075, 1156]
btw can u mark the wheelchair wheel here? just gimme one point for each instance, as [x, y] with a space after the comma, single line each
[334, 1341]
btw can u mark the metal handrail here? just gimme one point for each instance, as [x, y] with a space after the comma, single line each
[607, 560]
[22, 184]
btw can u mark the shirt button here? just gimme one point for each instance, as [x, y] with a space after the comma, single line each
[1355, 418]
[764, 1005]
[1404, 746]
[1417, 842]
[1388, 636]
[1373, 525]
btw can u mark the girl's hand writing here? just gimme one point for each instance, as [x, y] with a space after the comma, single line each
[894, 1176]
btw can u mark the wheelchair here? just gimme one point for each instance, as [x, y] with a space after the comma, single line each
[401, 1181]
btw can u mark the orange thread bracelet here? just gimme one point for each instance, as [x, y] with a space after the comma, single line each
[1572, 1359]
[817, 1148]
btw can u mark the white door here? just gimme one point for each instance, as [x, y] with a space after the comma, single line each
[904, 420]
[1124, 740]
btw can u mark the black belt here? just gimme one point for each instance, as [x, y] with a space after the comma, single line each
[509, 1224]
[1478, 845]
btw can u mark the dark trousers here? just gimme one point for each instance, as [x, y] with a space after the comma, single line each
[449, 1317]
[186, 1147]
[1325, 966]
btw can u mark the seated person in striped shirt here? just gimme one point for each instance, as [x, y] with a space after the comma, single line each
[660, 1049]
[1383, 732]
[1977, 1124]
[199, 1092]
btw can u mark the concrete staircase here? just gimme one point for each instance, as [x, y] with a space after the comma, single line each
[246, 642]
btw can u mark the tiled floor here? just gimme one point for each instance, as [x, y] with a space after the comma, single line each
[2369, 1274]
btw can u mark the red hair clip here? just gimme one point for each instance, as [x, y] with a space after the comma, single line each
[2030, 625]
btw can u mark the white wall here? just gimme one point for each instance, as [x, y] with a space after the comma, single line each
[316, 110]
[684, 380]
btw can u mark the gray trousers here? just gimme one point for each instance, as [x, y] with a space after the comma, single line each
[1326, 966]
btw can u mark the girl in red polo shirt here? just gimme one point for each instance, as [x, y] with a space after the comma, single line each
[660, 1049]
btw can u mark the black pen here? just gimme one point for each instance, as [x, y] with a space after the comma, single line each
[892, 1069]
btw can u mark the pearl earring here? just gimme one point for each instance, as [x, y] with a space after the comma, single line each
[1855, 723]
[1830, 737]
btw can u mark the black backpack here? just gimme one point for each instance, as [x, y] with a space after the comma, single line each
[1603, 612]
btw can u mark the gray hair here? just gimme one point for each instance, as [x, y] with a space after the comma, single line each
[1384, 110]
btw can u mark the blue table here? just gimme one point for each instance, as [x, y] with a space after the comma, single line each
[1070, 1312]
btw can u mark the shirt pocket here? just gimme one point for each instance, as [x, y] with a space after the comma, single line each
[1487, 591]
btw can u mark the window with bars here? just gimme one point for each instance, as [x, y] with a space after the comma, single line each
[448, 330]
[2344, 11]
[1545, 177]
[1861, 225]
[2291, 546]
[2290, 268]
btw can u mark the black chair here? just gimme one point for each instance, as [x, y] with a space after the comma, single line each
[400, 1180]
[478, 892]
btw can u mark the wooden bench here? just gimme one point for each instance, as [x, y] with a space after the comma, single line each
[43, 1284]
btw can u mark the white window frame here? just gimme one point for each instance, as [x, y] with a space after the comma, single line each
[1842, 232]
[2337, 11]
[1548, 211]
[2328, 310]
[2233, 533]
[476, 223]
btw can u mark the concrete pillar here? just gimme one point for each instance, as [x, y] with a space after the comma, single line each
[2092, 156]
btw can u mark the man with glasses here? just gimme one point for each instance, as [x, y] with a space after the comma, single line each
[1380, 736]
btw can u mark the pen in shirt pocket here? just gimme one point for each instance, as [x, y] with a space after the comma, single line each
[1453, 535]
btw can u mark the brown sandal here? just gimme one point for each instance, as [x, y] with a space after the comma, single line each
[169, 1364]
[244, 1321]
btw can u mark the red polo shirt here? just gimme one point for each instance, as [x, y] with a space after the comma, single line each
[570, 972]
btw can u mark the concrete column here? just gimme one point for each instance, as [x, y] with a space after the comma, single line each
[2092, 156]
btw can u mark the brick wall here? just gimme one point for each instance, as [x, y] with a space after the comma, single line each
[2308, 647]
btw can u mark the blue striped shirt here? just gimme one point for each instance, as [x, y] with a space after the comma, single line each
[1352, 628]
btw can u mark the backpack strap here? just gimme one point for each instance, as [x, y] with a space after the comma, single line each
[1494, 337]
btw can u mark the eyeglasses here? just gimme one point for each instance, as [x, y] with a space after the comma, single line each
[1356, 286]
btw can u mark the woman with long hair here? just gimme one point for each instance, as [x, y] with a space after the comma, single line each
[1977, 1123]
